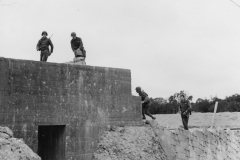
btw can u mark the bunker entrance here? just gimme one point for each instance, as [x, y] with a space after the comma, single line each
[51, 142]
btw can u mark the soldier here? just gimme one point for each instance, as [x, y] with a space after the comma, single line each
[185, 110]
[145, 103]
[77, 46]
[43, 46]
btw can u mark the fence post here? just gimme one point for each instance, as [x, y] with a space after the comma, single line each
[215, 110]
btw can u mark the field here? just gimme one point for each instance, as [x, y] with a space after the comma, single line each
[200, 120]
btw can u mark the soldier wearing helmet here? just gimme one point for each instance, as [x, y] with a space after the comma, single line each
[185, 110]
[43, 46]
[145, 103]
[77, 46]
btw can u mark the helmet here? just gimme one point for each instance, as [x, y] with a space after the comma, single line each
[138, 88]
[44, 32]
[73, 34]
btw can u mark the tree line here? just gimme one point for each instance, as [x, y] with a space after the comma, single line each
[170, 105]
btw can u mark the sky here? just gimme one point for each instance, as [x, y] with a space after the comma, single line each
[169, 45]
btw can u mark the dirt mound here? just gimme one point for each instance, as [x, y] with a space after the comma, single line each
[14, 149]
[130, 143]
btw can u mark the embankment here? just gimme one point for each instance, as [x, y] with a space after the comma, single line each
[152, 142]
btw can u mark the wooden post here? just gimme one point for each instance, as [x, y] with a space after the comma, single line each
[215, 110]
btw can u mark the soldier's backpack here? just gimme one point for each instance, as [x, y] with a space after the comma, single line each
[146, 96]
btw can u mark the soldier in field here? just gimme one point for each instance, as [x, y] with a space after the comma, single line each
[185, 111]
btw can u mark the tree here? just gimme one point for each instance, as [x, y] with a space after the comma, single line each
[235, 97]
[160, 100]
[202, 105]
[233, 106]
[177, 96]
[170, 105]
[157, 106]
[174, 101]
[222, 106]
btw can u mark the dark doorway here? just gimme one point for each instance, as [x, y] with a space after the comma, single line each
[51, 142]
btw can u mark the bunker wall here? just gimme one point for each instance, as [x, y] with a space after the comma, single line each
[86, 99]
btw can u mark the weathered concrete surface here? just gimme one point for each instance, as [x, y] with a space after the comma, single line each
[14, 149]
[199, 145]
[84, 98]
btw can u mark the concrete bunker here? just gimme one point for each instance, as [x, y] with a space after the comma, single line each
[37, 98]
[51, 142]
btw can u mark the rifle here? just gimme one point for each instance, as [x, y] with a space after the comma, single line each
[51, 36]
[39, 49]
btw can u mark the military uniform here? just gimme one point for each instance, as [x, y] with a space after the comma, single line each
[185, 109]
[145, 105]
[43, 45]
[78, 44]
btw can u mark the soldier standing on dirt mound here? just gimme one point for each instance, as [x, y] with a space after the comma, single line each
[185, 110]
[43, 45]
[145, 103]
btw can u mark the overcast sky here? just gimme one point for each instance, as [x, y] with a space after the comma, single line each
[169, 45]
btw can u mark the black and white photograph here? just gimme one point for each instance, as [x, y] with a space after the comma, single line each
[120, 80]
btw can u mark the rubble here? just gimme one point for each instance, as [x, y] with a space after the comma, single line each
[152, 142]
[13, 148]
[130, 143]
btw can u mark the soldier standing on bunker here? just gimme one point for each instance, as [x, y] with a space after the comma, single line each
[43, 46]
[145, 103]
[77, 46]
[185, 110]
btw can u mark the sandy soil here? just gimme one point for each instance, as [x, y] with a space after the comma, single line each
[13, 148]
[141, 143]
[199, 120]
[130, 143]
